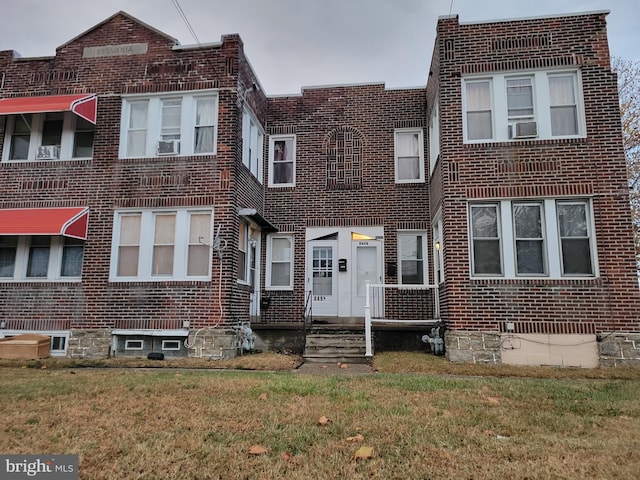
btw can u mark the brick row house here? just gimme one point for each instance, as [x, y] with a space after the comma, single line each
[156, 199]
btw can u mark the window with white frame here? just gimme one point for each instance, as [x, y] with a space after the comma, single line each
[412, 261]
[47, 136]
[279, 262]
[171, 344]
[134, 344]
[169, 124]
[409, 155]
[59, 340]
[510, 107]
[243, 250]
[282, 160]
[158, 245]
[434, 135]
[535, 238]
[252, 144]
[40, 258]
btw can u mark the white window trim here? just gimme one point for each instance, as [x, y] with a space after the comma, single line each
[244, 279]
[128, 343]
[552, 241]
[54, 269]
[35, 140]
[269, 263]
[51, 333]
[145, 254]
[154, 120]
[272, 140]
[434, 135]
[252, 160]
[425, 258]
[542, 105]
[420, 153]
[165, 347]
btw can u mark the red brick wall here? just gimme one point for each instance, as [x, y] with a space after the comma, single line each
[593, 167]
[107, 183]
[372, 113]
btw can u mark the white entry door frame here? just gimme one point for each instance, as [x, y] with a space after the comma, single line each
[340, 260]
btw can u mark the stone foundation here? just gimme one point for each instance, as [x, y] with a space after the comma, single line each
[213, 343]
[89, 344]
[619, 349]
[466, 346]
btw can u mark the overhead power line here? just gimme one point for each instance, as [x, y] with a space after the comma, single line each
[186, 20]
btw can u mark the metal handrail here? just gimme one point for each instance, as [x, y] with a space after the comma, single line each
[307, 314]
[368, 320]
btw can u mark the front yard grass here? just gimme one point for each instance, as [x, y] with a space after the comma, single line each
[448, 421]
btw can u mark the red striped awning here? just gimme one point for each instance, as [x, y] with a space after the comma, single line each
[84, 105]
[67, 221]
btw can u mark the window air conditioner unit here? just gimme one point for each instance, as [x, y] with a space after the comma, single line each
[523, 130]
[168, 147]
[48, 152]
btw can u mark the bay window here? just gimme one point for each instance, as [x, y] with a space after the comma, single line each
[169, 125]
[48, 136]
[157, 245]
[40, 258]
[536, 238]
[540, 105]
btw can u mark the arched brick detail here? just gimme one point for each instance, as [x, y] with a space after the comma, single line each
[343, 149]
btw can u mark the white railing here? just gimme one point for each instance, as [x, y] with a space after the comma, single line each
[374, 308]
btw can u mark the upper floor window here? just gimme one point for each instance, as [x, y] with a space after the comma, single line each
[509, 107]
[40, 258]
[282, 160]
[159, 245]
[164, 125]
[538, 238]
[47, 136]
[252, 144]
[409, 156]
[434, 135]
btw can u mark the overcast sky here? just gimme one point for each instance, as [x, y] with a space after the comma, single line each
[297, 43]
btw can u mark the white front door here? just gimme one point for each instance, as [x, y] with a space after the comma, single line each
[367, 267]
[322, 278]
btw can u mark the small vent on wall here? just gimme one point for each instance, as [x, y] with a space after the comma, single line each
[454, 176]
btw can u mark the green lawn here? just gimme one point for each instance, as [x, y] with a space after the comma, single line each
[166, 423]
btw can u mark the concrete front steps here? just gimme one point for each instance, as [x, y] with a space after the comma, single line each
[335, 346]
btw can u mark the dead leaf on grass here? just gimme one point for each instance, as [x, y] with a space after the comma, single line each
[257, 450]
[286, 456]
[263, 396]
[363, 453]
[357, 438]
[323, 421]
[490, 433]
[493, 400]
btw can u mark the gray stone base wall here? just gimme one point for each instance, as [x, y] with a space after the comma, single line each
[619, 349]
[467, 346]
[213, 343]
[89, 344]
